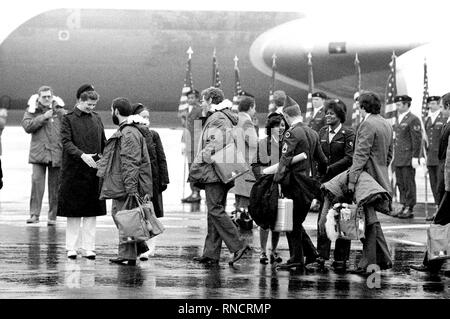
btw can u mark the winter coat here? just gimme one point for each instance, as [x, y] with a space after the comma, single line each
[125, 165]
[367, 192]
[247, 143]
[216, 134]
[79, 186]
[268, 154]
[191, 131]
[45, 146]
[158, 162]
[263, 204]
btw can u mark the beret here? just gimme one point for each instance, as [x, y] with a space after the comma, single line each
[84, 88]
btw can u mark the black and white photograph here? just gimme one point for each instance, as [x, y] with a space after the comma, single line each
[224, 156]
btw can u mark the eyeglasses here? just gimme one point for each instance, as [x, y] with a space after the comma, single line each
[46, 96]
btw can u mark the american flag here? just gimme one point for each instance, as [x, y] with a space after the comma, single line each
[390, 112]
[355, 114]
[272, 84]
[309, 106]
[425, 92]
[215, 72]
[188, 83]
[237, 85]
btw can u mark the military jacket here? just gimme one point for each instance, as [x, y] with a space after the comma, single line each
[433, 131]
[339, 151]
[408, 138]
[318, 121]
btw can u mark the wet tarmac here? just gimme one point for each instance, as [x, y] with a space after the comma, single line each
[33, 262]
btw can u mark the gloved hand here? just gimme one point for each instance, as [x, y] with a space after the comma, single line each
[415, 162]
[422, 162]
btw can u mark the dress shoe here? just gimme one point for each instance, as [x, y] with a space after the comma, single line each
[263, 259]
[123, 261]
[430, 218]
[193, 198]
[33, 219]
[51, 222]
[318, 264]
[90, 255]
[291, 265]
[72, 254]
[238, 254]
[274, 258]
[422, 268]
[206, 260]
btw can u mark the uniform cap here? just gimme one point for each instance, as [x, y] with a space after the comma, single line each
[402, 98]
[84, 88]
[290, 102]
[433, 98]
[320, 94]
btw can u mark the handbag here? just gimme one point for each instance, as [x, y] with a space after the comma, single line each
[242, 218]
[154, 225]
[131, 221]
[345, 221]
[229, 163]
[438, 242]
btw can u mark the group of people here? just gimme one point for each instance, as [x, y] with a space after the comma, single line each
[339, 165]
[84, 168]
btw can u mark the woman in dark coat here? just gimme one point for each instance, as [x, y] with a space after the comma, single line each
[337, 143]
[160, 173]
[269, 151]
[83, 139]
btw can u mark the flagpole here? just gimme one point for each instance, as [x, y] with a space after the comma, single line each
[185, 163]
[424, 104]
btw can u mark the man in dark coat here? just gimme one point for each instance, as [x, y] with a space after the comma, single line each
[297, 184]
[83, 140]
[434, 123]
[408, 141]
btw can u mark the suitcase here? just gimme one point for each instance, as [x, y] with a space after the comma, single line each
[284, 221]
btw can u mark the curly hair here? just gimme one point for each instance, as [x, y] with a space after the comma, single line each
[338, 107]
[213, 93]
[370, 102]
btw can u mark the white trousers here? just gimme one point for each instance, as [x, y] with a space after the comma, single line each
[80, 236]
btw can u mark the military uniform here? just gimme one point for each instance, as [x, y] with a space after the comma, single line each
[318, 121]
[433, 130]
[408, 138]
[295, 181]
